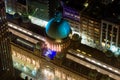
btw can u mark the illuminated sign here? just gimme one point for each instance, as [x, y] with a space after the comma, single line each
[49, 53]
[71, 13]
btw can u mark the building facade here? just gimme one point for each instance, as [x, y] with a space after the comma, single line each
[110, 35]
[10, 8]
[106, 1]
[53, 8]
[73, 17]
[22, 6]
[37, 67]
[6, 66]
[94, 33]
[90, 31]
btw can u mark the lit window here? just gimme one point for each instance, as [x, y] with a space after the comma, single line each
[28, 60]
[14, 54]
[103, 44]
[68, 78]
[63, 76]
[97, 30]
[83, 52]
[91, 21]
[23, 57]
[37, 64]
[78, 50]
[73, 79]
[33, 61]
[85, 26]
[112, 35]
[89, 54]
[57, 73]
[18, 55]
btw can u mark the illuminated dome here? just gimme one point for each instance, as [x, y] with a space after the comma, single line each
[57, 33]
[57, 28]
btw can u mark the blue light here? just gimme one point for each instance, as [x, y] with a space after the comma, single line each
[49, 53]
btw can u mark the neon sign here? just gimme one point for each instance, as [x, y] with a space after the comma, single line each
[71, 13]
[49, 53]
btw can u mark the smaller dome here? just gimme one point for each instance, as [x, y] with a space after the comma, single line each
[58, 29]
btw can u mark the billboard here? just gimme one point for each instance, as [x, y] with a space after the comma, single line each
[71, 13]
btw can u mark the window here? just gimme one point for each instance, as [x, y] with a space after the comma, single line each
[84, 22]
[97, 30]
[91, 21]
[104, 25]
[109, 27]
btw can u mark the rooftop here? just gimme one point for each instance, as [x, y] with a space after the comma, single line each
[99, 55]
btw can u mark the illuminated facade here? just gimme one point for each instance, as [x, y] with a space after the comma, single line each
[35, 67]
[25, 61]
[57, 38]
[49, 70]
[90, 31]
[20, 6]
[110, 36]
[6, 66]
[57, 45]
[9, 6]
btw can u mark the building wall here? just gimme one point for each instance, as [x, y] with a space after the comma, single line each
[46, 69]
[109, 34]
[90, 31]
[74, 25]
[53, 6]
[39, 9]
[59, 72]
[25, 61]
[6, 67]
[13, 6]
[9, 5]
[23, 9]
